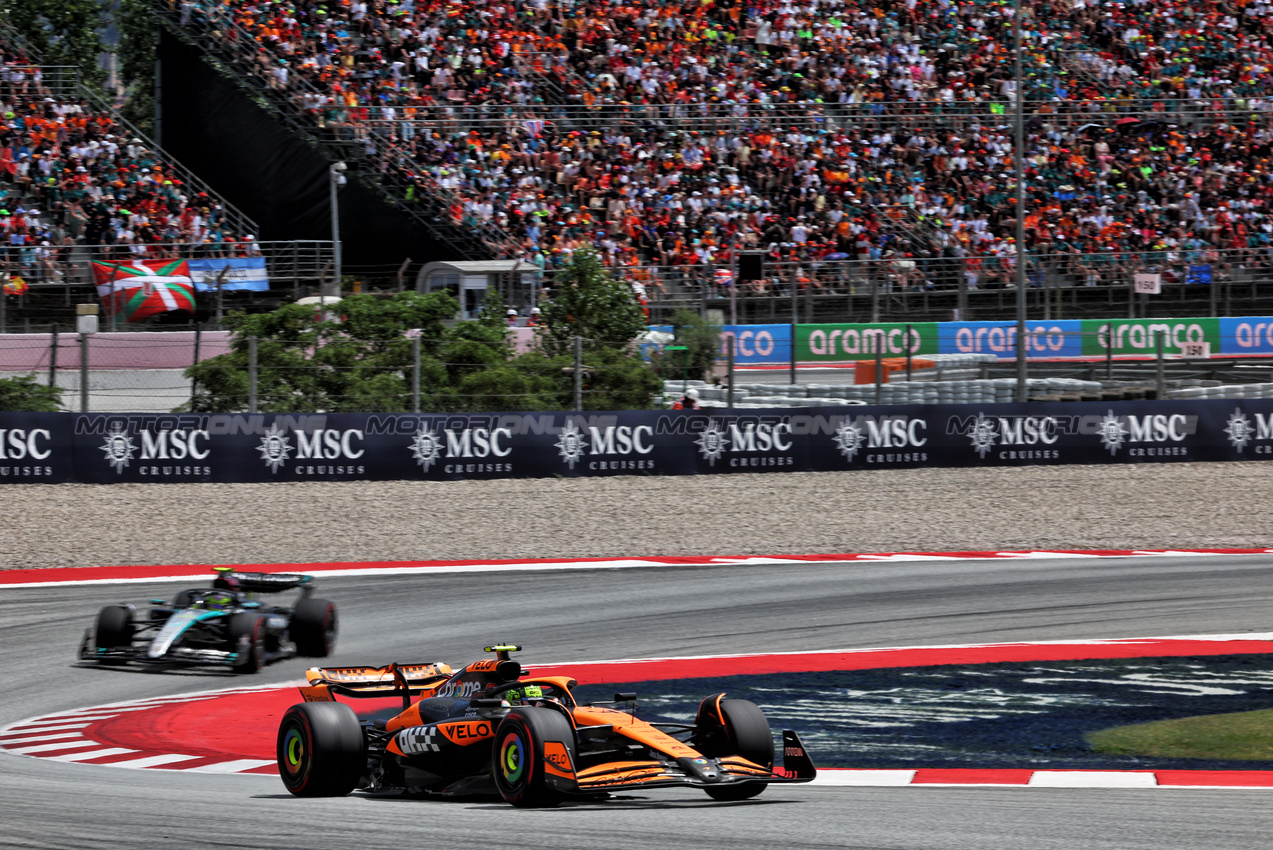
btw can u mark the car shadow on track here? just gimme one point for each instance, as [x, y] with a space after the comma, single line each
[495, 804]
[162, 669]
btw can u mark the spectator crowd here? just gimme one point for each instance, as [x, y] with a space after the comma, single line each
[680, 133]
[72, 175]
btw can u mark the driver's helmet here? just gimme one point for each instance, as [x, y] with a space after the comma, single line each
[524, 695]
[219, 600]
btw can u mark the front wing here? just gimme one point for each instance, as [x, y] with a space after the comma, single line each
[140, 652]
[733, 770]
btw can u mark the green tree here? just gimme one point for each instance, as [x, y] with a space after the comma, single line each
[138, 46]
[701, 338]
[588, 302]
[307, 362]
[21, 394]
[63, 32]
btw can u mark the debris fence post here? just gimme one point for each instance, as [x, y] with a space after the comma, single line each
[194, 381]
[879, 373]
[729, 372]
[415, 374]
[1159, 378]
[84, 372]
[578, 373]
[252, 374]
[53, 357]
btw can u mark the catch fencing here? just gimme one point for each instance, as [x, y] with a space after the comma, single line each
[768, 365]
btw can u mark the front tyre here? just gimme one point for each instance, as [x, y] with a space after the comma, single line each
[517, 755]
[320, 749]
[247, 638]
[313, 628]
[736, 727]
[113, 631]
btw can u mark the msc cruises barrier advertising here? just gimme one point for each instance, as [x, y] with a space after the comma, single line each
[110, 448]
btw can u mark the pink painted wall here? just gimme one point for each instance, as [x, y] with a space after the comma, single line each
[167, 350]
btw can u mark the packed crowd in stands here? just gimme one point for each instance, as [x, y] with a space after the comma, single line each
[1147, 132]
[71, 175]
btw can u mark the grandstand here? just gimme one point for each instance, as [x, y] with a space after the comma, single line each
[79, 183]
[676, 136]
[863, 148]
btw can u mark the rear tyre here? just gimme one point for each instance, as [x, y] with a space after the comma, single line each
[313, 628]
[517, 755]
[247, 638]
[320, 749]
[745, 732]
[114, 630]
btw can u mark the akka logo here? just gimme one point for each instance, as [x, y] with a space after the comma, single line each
[419, 740]
[319, 444]
[175, 444]
[1114, 431]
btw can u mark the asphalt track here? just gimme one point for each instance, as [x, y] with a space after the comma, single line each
[598, 614]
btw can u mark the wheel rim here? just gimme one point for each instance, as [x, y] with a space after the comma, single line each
[512, 758]
[294, 752]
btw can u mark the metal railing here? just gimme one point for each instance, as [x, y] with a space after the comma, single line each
[58, 81]
[291, 267]
[1211, 281]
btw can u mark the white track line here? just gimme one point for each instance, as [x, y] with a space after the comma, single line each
[230, 766]
[1092, 779]
[93, 754]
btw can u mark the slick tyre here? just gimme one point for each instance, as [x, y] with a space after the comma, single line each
[114, 630]
[247, 638]
[517, 755]
[313, 628]
[320, 749]
[743, 730]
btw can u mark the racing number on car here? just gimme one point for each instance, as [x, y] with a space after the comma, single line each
[467, 732]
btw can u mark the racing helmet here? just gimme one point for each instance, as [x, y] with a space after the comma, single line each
[524, 695]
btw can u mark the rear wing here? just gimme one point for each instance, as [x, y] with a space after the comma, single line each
[395, 680]
[273, 582]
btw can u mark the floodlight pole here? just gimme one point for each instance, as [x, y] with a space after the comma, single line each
[336, 179]
[1018, 157]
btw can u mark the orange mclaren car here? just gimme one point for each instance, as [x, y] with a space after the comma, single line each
[489, 728]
